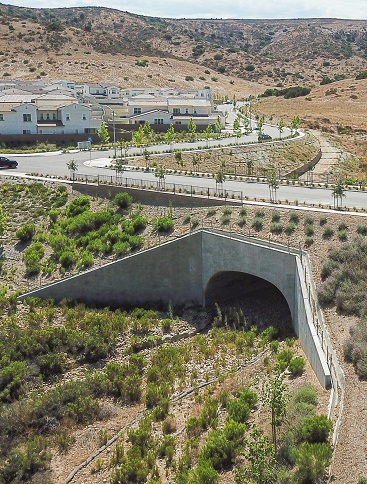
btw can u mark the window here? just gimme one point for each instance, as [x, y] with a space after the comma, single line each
[158, 121]
[40, 131]
[137, 110]
[54, 116]
[187, 111]
[48, 116]
[178, 122]
[1, 117]
[84, 117]
[67, 117]
[41, 116]
[26, 119]
[176, 111]
[26, 131]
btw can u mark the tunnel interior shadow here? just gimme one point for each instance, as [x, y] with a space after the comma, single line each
[242, 300]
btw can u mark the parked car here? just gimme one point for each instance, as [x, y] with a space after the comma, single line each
[264, 137]
[6, 163]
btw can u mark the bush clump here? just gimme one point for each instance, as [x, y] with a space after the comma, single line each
[123, 200]
[26, 232]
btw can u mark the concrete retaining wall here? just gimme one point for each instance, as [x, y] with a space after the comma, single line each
[179, 272]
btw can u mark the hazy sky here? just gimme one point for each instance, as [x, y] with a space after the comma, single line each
[347, 9]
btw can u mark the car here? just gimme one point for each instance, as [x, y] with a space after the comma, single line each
[264, 137]
[6, 163]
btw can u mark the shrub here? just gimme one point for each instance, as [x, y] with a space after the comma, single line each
[315, 429]
[189, 78]
[308, 241]
[25, 461]
[297, 366]
[164, 224]
[78, 206]
[275, 217]
[276, 228]
[204, 473]
[362, 229]
[290, 228]
[68, 258]
[327, 233]
[294, 217]
[342, 235]
[26, 232]
[309, 230]
[123, 200]
[257, 224]
[312, 460]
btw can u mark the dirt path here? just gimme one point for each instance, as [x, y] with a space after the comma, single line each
[330, 157]
[350, 461]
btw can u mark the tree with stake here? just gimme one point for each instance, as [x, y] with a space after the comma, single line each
[218, 126]
[208, 133]
[170, 136]
[273, 187]
[139, 137]
[260, 124]
[196, 158]
[281, 126]
[72, 165]
[191, 128]
[160, 173]
[275, 397]
[103, 134]
[219, 178]
[147, 159]
[148, 131]
[123, 147]
[178, 158]
[119, 166]
[338, 193]
[294, 124]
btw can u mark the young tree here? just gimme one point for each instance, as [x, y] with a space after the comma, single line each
[219, 178]
[218, 126]
[148, 131]
[196, 158]
[178, 158]
[103, 134]
[294, 124]
[191, 128]
[139, 137]
[170, 136]
[338, 193]
[147, 159]
[208, 133]
[281, 126]
[260, 124]
[273, 187]
[160, 173]
[275, 397]
[123, 147]
[119, 166]
[72, 166]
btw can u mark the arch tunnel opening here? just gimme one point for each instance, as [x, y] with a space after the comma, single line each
[247, 300]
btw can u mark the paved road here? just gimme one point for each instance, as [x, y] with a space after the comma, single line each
[97, 162]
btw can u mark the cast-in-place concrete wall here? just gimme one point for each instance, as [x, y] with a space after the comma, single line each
[179, 272]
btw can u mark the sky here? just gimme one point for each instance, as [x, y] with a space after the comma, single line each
[247, 9]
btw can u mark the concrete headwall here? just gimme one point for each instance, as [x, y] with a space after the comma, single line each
[179, 272]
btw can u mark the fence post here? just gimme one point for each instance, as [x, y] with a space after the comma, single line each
[174, 188]
[98, 179]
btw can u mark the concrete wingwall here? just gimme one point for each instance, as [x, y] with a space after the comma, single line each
[179, 272]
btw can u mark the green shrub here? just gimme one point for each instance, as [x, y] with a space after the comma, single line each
[276, 228]
[26, 232]
[123, 200]
[297, 366]
[275, 217]
[257, 224]
[290, 228]
[204, 473]
[309, 230]
[309, 241]
[327, 233]
[342, 235]
[312, 460]
[68, 258]
[294, 217]
[315, 429]
[242, 222]
[306, 394]
[24, 461]
[164, 224]
[323, 221]
[78, 206]
[362, 229]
